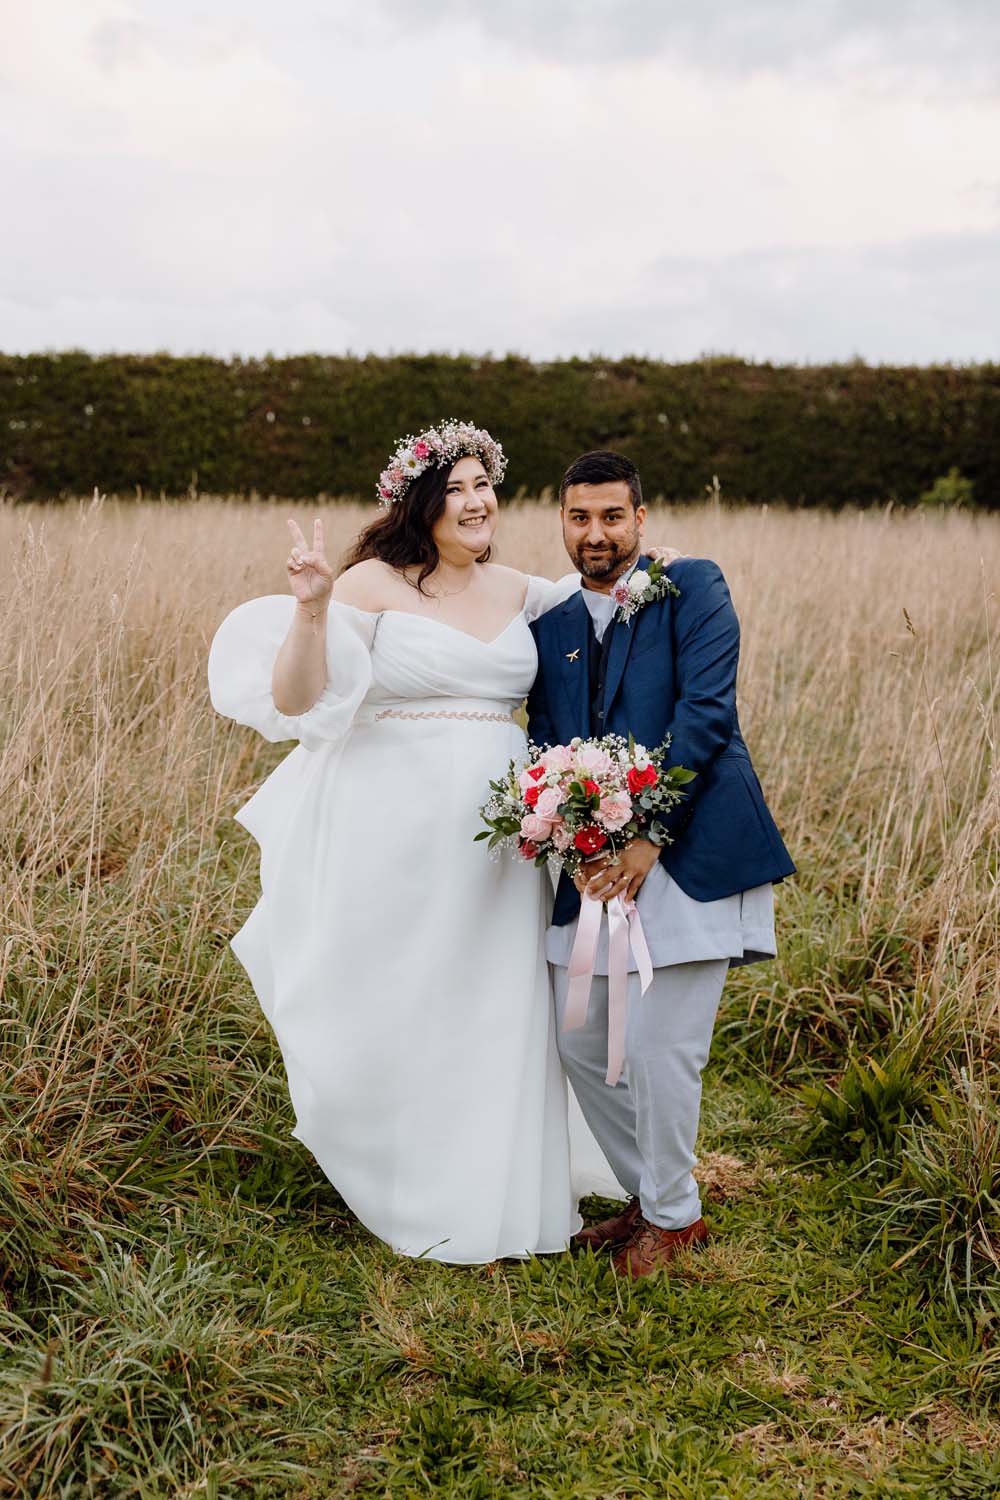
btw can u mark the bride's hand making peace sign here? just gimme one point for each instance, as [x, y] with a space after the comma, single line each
[309, 574]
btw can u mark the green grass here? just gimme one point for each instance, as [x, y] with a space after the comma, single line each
[228, 1329]
[188, 1310]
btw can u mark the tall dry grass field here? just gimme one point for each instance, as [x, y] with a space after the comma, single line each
[141, 1085]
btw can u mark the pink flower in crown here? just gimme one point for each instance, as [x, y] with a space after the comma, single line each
[547, 805]
[447, 441]
[557, 759]
[614, 811]
[535, 828]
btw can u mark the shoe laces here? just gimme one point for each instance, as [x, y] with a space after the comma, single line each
[647, 1236]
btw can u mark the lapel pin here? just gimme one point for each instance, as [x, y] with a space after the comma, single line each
[572, 655]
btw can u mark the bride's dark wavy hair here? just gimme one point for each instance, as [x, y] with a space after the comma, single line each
[401, 535]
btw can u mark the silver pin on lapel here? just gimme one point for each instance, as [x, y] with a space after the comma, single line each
[572, 655]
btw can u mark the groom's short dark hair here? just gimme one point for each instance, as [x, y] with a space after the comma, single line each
[602, 467]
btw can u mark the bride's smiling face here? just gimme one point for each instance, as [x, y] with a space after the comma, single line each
[466, 526]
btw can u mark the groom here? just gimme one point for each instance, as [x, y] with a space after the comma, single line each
[705, 898]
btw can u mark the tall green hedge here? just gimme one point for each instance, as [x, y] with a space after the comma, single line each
[821, 435]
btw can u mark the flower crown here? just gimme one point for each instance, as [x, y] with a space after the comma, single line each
[444, 444]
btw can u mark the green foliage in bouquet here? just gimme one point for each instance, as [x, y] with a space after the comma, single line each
[626, 795]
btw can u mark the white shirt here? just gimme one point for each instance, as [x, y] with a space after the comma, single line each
[678, 929]
[602, 608]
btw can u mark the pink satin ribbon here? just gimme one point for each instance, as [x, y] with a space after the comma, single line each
[624, 931]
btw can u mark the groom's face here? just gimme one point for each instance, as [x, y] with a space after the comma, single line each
[602, 529]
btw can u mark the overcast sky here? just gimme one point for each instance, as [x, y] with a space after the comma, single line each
[780, 179]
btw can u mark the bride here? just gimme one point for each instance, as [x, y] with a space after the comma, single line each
[403, 970]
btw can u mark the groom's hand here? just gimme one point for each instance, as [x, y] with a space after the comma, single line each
[601, 880]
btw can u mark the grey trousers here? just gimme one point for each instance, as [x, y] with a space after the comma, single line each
[647, 1123]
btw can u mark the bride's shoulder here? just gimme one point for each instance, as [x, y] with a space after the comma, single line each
[510, 582]
[367, 585]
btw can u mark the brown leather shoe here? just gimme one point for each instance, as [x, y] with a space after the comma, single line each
[651, 1248]
[610, 1233]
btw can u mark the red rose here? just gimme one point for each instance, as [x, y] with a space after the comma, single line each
[639, 779]
[589, 840]
[532, 795]
[591, 788]
[536, 772]
[528, 849]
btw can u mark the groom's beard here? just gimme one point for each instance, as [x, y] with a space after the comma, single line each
[605, 562]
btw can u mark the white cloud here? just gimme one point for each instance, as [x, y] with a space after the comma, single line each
[954, 44]
[104, 76]
[331, 177]
[918, 301]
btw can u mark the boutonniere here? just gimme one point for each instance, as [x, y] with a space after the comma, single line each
[641, 588]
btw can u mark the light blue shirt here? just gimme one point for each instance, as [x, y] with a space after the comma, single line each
[679, 930]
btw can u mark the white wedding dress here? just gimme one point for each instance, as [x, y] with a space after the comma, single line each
[401, 967]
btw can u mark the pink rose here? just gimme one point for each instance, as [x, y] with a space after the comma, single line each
[557, 759]
[560, 837]
[614, 811]
[535, 828]
[592, 759]
[421, 450]
[547, 805]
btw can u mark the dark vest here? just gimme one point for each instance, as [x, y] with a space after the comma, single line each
[597, 666]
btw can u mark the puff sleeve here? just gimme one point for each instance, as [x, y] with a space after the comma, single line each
[241, 659]
[544, 595]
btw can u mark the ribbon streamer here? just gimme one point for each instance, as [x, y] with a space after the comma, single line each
[624, 931]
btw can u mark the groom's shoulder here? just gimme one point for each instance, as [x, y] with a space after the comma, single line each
[694, 569]
[696, 575]
[543, 625]
[548, 619]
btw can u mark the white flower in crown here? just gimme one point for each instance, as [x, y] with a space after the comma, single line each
[444, 443]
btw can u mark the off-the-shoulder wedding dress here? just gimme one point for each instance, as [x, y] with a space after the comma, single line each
[401, 968]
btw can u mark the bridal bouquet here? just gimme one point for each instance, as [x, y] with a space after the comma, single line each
[571, 802]
[567, 804]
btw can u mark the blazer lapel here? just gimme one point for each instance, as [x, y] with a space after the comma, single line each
[574, 640]
[621, 644]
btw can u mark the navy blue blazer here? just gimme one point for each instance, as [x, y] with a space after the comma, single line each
[671, 669]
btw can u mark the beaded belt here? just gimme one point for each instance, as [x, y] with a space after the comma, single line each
[443, 713]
